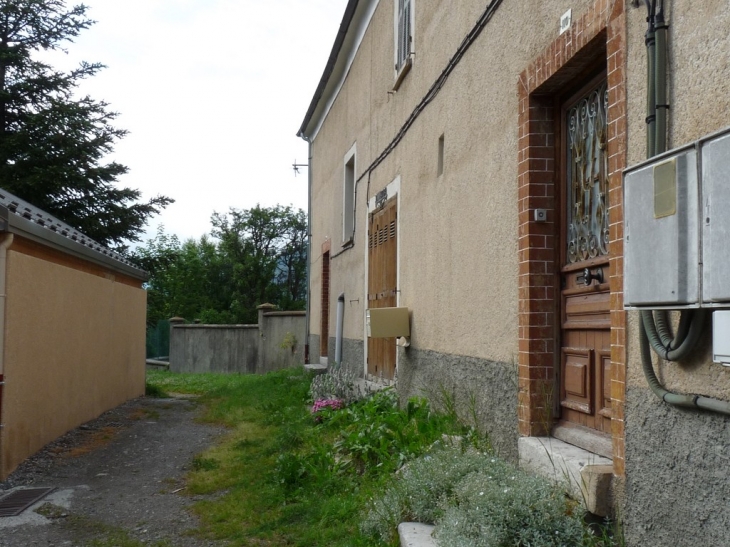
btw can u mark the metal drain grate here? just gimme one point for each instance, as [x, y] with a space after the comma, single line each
[16, 502]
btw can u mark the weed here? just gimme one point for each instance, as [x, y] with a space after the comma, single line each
[153, 390]
[205, 464]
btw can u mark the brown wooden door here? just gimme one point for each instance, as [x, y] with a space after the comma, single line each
[324, 325]
[585, 355]
[382, 283]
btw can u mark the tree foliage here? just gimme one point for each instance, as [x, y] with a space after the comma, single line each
[53, 144]
[256, 255]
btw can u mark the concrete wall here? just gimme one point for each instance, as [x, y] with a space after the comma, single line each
[74, 347]
[276, 342]
[484, 393]
[214, 348]
[282, 340]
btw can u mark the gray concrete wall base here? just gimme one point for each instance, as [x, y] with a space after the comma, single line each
[677, 464]
[314, 349]
[353, 356]
[483, 391]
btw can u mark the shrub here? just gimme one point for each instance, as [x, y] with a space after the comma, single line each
[476, 499]
[338, 383]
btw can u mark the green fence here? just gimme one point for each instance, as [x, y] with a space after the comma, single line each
[158, 340]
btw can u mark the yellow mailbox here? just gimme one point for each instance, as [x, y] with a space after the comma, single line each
[388, 322]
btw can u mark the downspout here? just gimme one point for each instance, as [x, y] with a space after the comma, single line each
[654, 327]
[309, 249]
[660, 89]
[7, 240]
[340, 321]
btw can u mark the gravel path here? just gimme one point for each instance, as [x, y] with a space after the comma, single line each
[118, 480]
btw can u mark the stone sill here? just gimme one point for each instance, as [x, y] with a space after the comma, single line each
[586, 476]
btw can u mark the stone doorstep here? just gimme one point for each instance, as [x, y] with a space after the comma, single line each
[316, 369]
[586, 476]
[415, 534]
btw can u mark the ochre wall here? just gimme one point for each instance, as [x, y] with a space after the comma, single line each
[74, 347]
[458, 232]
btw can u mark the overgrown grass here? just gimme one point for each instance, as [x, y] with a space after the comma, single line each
[285, 478]
[347, 477]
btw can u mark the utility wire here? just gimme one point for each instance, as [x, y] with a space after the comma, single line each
[436, 86]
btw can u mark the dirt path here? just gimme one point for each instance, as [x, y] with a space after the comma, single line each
[119, 480]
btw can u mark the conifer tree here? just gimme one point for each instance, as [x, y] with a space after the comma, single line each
[53, 143]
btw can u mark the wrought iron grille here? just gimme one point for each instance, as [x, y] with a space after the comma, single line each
[587, 174]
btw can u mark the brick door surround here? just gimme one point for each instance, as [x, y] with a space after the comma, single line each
[597, 35]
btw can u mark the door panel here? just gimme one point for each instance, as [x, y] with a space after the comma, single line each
[382, 283]
[324, 325]
[585, 297]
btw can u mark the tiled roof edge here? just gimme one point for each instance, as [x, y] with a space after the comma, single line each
[27, 220]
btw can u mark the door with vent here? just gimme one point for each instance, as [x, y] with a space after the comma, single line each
[585, 356]
[382, 283]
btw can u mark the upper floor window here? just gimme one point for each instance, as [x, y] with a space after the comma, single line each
[404, 33]
[348, 205]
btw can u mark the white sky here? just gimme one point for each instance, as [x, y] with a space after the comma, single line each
[212, 93]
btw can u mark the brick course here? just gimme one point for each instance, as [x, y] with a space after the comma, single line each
[600, 33]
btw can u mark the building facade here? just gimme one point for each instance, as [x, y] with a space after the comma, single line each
[467, 162]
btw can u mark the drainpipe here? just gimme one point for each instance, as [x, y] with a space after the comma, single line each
[6, 241]
[309, 249]
[340, 320]
[660, 90]
[650, 40]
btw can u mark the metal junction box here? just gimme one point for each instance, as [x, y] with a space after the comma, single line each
[677, 228]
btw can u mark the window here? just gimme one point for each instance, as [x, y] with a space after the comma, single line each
[404, 34]
[348, 202]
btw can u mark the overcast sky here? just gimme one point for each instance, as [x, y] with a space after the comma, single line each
[212, 93]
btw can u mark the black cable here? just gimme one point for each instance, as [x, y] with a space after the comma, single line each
[436, 86]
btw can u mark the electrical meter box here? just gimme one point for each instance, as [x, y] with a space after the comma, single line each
[661, 232]
[677, 228]
[387, 322]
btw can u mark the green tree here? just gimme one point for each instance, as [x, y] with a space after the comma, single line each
[258, 255]
[267, 246]
[52, 143]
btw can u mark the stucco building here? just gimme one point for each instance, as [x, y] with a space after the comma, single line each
[72, 330]
[467, 162]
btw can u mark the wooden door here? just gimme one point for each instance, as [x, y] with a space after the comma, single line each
[585, 355]
[324, 324]
[383, 283]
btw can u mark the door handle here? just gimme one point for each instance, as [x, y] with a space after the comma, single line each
[587, 277]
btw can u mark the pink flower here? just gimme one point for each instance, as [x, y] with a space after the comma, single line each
[334, 404]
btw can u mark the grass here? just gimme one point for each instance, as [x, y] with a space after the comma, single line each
[282, 476]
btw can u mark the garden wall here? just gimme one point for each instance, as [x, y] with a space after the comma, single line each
[274, 343]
